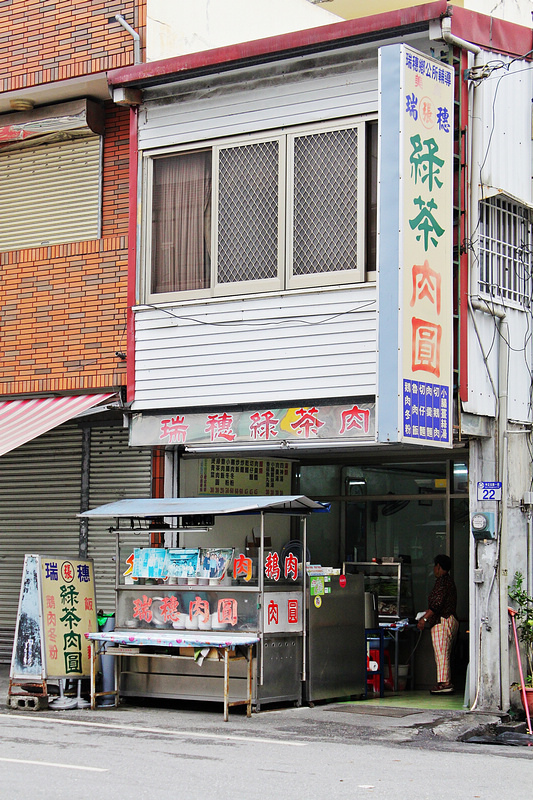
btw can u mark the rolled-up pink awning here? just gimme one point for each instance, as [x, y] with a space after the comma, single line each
[23, 420]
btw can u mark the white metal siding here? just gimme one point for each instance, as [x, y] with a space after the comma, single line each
[483, 359]
[505, 149]
[116, 472]
[211, 112]
[50, 194]
[257, 350]
[39, 498]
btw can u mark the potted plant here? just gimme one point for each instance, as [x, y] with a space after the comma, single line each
[523, 616]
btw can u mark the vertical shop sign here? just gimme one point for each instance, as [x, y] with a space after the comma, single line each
[69, 611]
[57, 607]
[415, 265]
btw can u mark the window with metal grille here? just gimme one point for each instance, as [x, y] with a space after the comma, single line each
[265, 213]
[505, 251]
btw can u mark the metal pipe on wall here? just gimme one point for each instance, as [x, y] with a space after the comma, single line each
[503, 388]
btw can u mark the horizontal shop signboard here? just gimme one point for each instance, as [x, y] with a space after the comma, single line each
[300, 423]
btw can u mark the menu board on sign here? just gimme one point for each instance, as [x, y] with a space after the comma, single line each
[69, 612]
[244, 476]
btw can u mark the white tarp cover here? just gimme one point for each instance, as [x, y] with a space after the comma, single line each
[185, 506]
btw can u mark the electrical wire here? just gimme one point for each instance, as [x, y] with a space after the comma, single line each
[262, 323]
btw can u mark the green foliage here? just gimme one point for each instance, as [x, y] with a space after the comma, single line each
[524, 620]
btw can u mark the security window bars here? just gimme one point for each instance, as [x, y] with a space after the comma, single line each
[326, 189]
[505, 251]
[248, 230]
[265, 213]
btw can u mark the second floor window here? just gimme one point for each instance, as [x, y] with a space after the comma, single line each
[505, 251]
[263, 213]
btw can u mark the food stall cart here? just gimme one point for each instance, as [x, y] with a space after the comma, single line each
[222, 618]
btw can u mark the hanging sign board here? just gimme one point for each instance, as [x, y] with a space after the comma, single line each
[415, 375]
[57, 606]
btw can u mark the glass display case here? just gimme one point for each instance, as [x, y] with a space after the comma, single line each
[392, 583]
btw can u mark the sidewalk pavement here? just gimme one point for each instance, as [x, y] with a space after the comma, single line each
[335, 721]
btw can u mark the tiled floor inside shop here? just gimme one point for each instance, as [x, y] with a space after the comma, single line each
[419, 699]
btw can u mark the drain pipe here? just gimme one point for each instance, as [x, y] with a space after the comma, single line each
[503, 469]
[456, 41]
[474, 160]
[136, 38]
[503, 361]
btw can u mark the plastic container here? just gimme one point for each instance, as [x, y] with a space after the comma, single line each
[403, 672]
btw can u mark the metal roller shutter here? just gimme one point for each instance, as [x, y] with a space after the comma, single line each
[50, 194]
[39, 498]
[116, 471]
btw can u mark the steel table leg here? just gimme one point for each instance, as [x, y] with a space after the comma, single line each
[226, 683]
[249, 683]
[93, 674]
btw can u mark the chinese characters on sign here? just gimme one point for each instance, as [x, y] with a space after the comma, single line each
[244, 476]
[169, 608]
[303, 423]
[425, 410]
[206, 610]
[427, 153]
[282, 612]
[69, 611]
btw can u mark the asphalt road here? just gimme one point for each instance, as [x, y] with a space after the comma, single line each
[142, 753]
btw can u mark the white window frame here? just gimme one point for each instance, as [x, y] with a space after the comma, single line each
[246, 287]
[340, 276]
[504, 252]
[285, 279]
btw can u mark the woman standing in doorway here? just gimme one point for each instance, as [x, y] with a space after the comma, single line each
[441, 614]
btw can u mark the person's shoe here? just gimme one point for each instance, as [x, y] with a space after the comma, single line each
[442, 688]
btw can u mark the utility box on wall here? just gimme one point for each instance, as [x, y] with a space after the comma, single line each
[483, 525]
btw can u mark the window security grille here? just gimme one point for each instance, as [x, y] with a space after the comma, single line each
[325, 202]
[505, 251]
[279, 211]
[248, 212]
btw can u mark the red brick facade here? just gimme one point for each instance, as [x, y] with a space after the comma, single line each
[52, 40]
[63, 307]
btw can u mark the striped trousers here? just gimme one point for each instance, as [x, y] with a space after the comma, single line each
[442, 636]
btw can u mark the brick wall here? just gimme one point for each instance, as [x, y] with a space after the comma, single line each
[63, 308]
[52, 40]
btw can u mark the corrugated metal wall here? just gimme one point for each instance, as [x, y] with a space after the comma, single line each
[40, 495]
[260, 99]
[117, 471]
[237, 351]
[504, 149]
[39, 498]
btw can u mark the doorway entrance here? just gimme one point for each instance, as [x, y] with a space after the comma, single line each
[403, 512]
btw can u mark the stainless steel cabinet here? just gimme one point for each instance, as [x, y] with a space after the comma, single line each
[336, 663]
